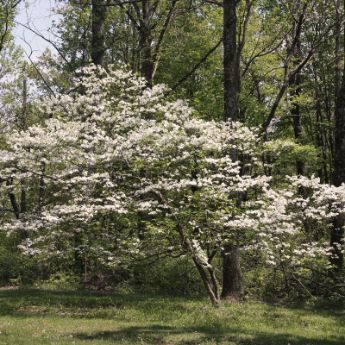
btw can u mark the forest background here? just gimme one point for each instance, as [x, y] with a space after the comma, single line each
[270, 72]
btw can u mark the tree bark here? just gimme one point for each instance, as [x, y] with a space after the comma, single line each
[146, 55]
[232, 277]
[295, 84]
[230, 61]
[297, 124]
[209, 283]
[146, 65]
[337, 231]
[337, 33]
[321, 142]
[97, 28]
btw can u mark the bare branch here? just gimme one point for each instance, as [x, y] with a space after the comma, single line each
[191, 72]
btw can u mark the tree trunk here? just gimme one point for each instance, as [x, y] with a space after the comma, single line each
[297, 123]
[337, 231]
[146, 63]
[97, 28]
[295, 84]
[146, 57]
[78, 264]
[210, 283]
[337, 245]
[321, 142]
[232, 277]
[230, 61]
[337, 33]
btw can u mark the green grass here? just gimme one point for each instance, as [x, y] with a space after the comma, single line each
[36, 317]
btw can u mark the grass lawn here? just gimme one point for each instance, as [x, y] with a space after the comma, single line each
[36, 317]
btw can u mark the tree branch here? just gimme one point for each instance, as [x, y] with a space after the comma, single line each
[191, 72]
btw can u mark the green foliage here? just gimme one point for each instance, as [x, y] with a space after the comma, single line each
[14, 268]
[7, 14]
[169, 276]
[285, 152]
[189, 42]
[60, 281]
[10, 265]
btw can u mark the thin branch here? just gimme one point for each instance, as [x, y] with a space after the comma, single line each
[38, 71]
[191, 72]
[161, 36]
[289, 76]
[45, 39]
[214, 2]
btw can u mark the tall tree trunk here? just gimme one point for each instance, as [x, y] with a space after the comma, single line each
[232, 277]
[337, 231]
[97, 28]
[146, 65]
[337, 34]
[321, 141]
[297, 123]
[230, 61]
[295, 84]
[146, 56]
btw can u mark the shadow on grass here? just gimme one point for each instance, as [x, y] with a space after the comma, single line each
[154, 334]
[23, 302]
[158, 335]
[324, 308]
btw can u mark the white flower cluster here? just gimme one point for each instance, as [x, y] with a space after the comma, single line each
[113, 149]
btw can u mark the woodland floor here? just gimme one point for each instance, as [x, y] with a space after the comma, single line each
[42, 317]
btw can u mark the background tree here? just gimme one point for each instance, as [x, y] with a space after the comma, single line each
[337, 232]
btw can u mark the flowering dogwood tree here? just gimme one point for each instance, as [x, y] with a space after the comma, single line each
[116, 166]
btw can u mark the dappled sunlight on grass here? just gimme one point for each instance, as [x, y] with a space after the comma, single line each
[36, 317]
